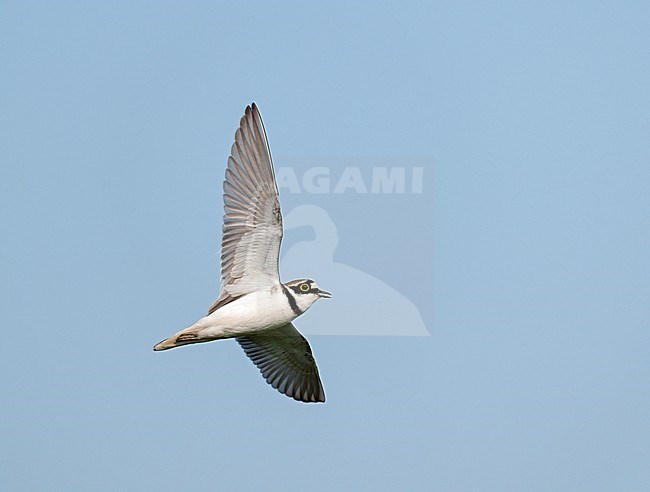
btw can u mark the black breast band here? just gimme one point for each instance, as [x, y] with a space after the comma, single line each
[292, 301]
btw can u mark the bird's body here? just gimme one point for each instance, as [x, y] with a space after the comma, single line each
[254, 306]
[258, 311]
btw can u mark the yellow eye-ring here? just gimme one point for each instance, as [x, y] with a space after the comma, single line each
[304, 287]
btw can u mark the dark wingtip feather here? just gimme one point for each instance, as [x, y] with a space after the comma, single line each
[284, 359]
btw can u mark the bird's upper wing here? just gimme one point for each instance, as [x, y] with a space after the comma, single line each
[284, 358]
[252, 221]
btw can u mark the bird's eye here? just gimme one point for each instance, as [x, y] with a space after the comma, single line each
[304, 287]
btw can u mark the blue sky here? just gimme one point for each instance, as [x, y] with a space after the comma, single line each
[526, 253]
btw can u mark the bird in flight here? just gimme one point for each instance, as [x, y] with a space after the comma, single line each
[254, 306]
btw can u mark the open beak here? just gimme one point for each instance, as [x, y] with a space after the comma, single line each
[324, 293]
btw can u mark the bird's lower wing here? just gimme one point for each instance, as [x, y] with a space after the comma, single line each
[284, 358]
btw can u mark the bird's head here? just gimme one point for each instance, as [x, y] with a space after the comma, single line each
[306, 292]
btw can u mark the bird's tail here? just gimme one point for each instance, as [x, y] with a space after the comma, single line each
[199, 332]
[177, 341]
[185, 337]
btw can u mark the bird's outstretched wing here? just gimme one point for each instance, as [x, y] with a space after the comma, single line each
[284, 358]
[252, 221]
